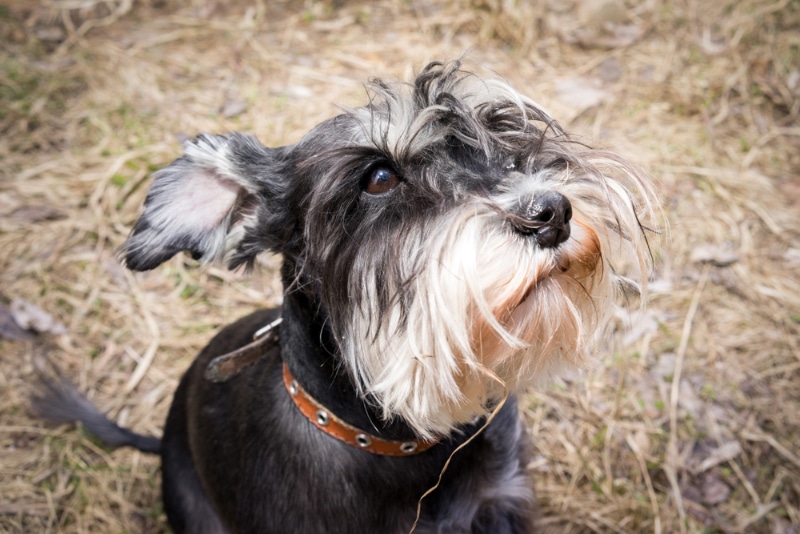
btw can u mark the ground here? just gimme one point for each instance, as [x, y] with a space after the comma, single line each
[690, 423]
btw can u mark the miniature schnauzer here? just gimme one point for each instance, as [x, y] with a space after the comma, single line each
[443, 247]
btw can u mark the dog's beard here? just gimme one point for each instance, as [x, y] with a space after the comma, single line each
[478, 300]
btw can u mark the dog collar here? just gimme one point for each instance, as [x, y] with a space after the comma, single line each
[224, 367]
[323, 419]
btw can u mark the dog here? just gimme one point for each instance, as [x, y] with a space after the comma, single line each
[444, 247]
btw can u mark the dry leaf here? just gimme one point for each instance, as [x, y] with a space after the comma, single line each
[714, 490]
[688, 399]
[9, 328]
[637, 325]
[581, 93]
[233, 107]
[725, 452]
[610, 70]
[35, 213]
[713, 254]
[31, 317]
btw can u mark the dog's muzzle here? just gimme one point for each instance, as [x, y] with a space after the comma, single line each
[545, 217]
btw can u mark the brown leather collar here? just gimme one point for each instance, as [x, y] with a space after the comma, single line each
[326, 421]
[226, 366]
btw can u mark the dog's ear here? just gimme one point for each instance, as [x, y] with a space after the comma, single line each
[205, 202]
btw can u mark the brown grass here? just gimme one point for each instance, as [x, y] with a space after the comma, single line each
[691, 424]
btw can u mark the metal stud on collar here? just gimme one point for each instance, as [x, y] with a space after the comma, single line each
[363, 440]
[264, 330]
[293, 388]
[322, 418]
[408, 447]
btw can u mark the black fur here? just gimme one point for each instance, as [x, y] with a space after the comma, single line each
[267, 469]
[237, 455]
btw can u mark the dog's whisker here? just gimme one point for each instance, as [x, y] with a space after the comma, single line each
[491, 416]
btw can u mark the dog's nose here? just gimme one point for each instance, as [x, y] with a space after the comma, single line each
[545, 217]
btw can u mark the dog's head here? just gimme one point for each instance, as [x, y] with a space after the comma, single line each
[449, 231]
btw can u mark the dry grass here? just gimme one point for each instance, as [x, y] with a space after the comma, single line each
[692, 424]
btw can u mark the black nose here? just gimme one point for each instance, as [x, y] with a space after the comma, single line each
[545, 217]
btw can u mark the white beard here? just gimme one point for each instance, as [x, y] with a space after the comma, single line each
[485, 301]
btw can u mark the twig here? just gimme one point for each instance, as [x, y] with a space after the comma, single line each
[152, 348]
[648, 482]
[123, 8]
[670, 467]
[783, 451]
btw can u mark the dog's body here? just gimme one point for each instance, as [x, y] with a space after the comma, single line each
[443, 246]
[243, 445]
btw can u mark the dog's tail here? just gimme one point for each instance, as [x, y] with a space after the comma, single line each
[57, 400]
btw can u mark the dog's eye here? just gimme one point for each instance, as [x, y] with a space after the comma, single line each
[381, 180]
[510, 165]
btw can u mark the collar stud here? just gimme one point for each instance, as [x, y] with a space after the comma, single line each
[322, 418]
